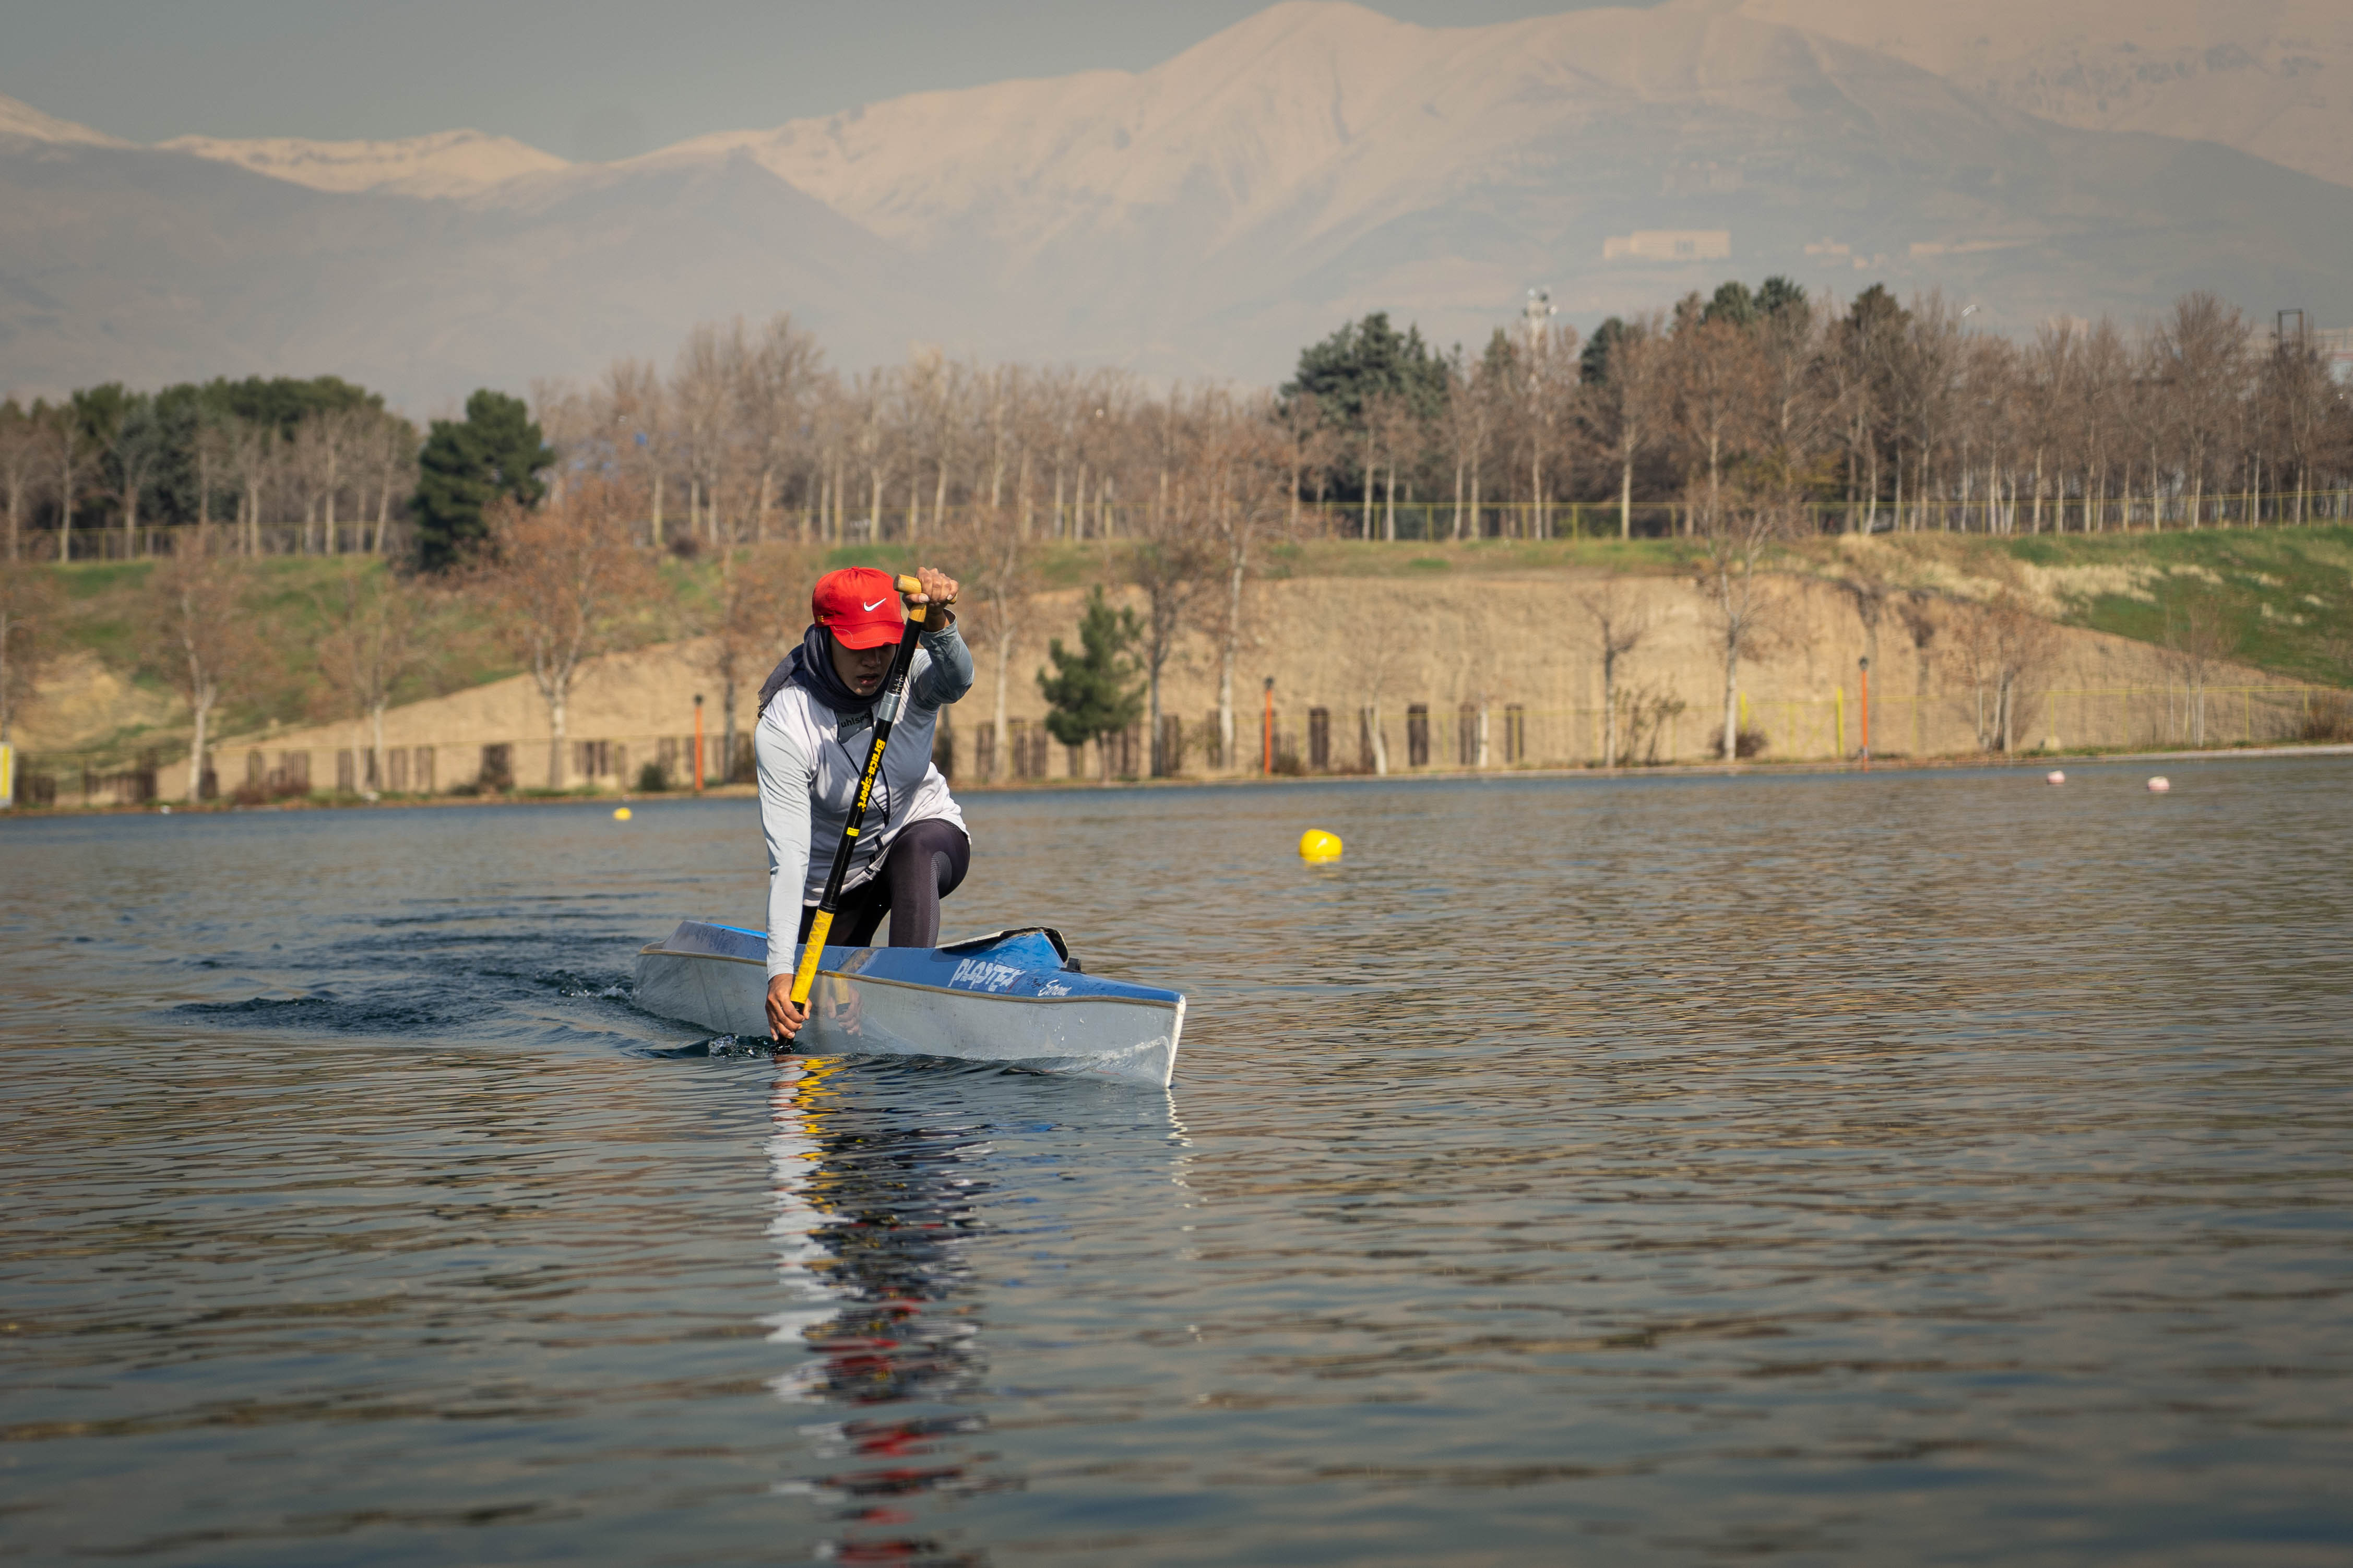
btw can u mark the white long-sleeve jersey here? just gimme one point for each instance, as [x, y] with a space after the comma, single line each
[810, 759]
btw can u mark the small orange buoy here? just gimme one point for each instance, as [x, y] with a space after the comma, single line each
[1317, 846]
[2159, 785]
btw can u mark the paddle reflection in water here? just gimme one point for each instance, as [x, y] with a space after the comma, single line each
[875, 1216]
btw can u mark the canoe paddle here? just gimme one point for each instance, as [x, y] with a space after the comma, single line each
[886, 713]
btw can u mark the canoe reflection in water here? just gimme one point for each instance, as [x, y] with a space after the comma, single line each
[872, 1216]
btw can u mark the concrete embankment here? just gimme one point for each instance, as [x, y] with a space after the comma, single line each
[1412, 673]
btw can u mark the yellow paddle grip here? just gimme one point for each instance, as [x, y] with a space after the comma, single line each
[805, 977]
[915, 585]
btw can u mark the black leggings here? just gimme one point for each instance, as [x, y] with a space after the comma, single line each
[927, 863]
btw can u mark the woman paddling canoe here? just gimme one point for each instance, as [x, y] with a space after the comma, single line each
[817, 717]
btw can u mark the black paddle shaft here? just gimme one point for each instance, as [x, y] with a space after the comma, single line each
[886, 713]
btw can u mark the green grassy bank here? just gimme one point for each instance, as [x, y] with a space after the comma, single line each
[2284, 597]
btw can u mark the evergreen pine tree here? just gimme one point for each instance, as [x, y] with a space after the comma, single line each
[1096, 692]
[1360, 367]
[1777, 294]
[1593, 360]
[1733, 303]
[496, 450]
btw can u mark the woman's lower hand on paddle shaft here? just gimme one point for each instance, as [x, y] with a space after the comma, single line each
[785, 1020]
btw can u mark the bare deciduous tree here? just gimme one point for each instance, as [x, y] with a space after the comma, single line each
[1309, 448]
[20, 463]
[138, 451]
[70, 460]
[558, 584]
[373, 641]
[1624, 410]
[1923, 389]
[1716, 399]
[1245, 462]
[1793, 422]
[702, 397]
[253, 461]
[318, 462]
[2198, 353]
[998, 565]
[1173, 564]
[1468, 423]
[389, 457]
[755, 619]
[1619, 628]
[2301, 401]
[1391, 429]
[632, 440]
[779, 379]
[2004, 644]
[1737, 541]
[199, 640]
[872, 397]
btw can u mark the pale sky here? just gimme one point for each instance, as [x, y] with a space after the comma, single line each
[581, 79]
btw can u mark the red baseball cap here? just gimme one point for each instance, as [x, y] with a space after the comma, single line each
[859, 606]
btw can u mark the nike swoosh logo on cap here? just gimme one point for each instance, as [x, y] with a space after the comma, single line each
[883, 600]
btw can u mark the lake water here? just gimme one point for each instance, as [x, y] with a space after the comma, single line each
[1909, 1168]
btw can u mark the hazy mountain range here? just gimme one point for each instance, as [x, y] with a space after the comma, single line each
[1210, 215]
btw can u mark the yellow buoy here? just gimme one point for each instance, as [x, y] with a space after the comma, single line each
[1317, 846]
[620, 814]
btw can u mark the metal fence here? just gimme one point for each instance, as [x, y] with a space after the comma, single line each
[1404, 521]
[149, 540]
[1428, 521]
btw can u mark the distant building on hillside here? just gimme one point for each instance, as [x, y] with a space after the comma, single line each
[1669, 245]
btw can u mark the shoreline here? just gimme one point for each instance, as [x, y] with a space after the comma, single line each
[1813, 767]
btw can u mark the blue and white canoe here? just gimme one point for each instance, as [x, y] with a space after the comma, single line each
[1013, 997]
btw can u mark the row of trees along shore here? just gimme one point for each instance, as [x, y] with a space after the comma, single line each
[1739, 420]
[274, 466]
[1870, 414]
